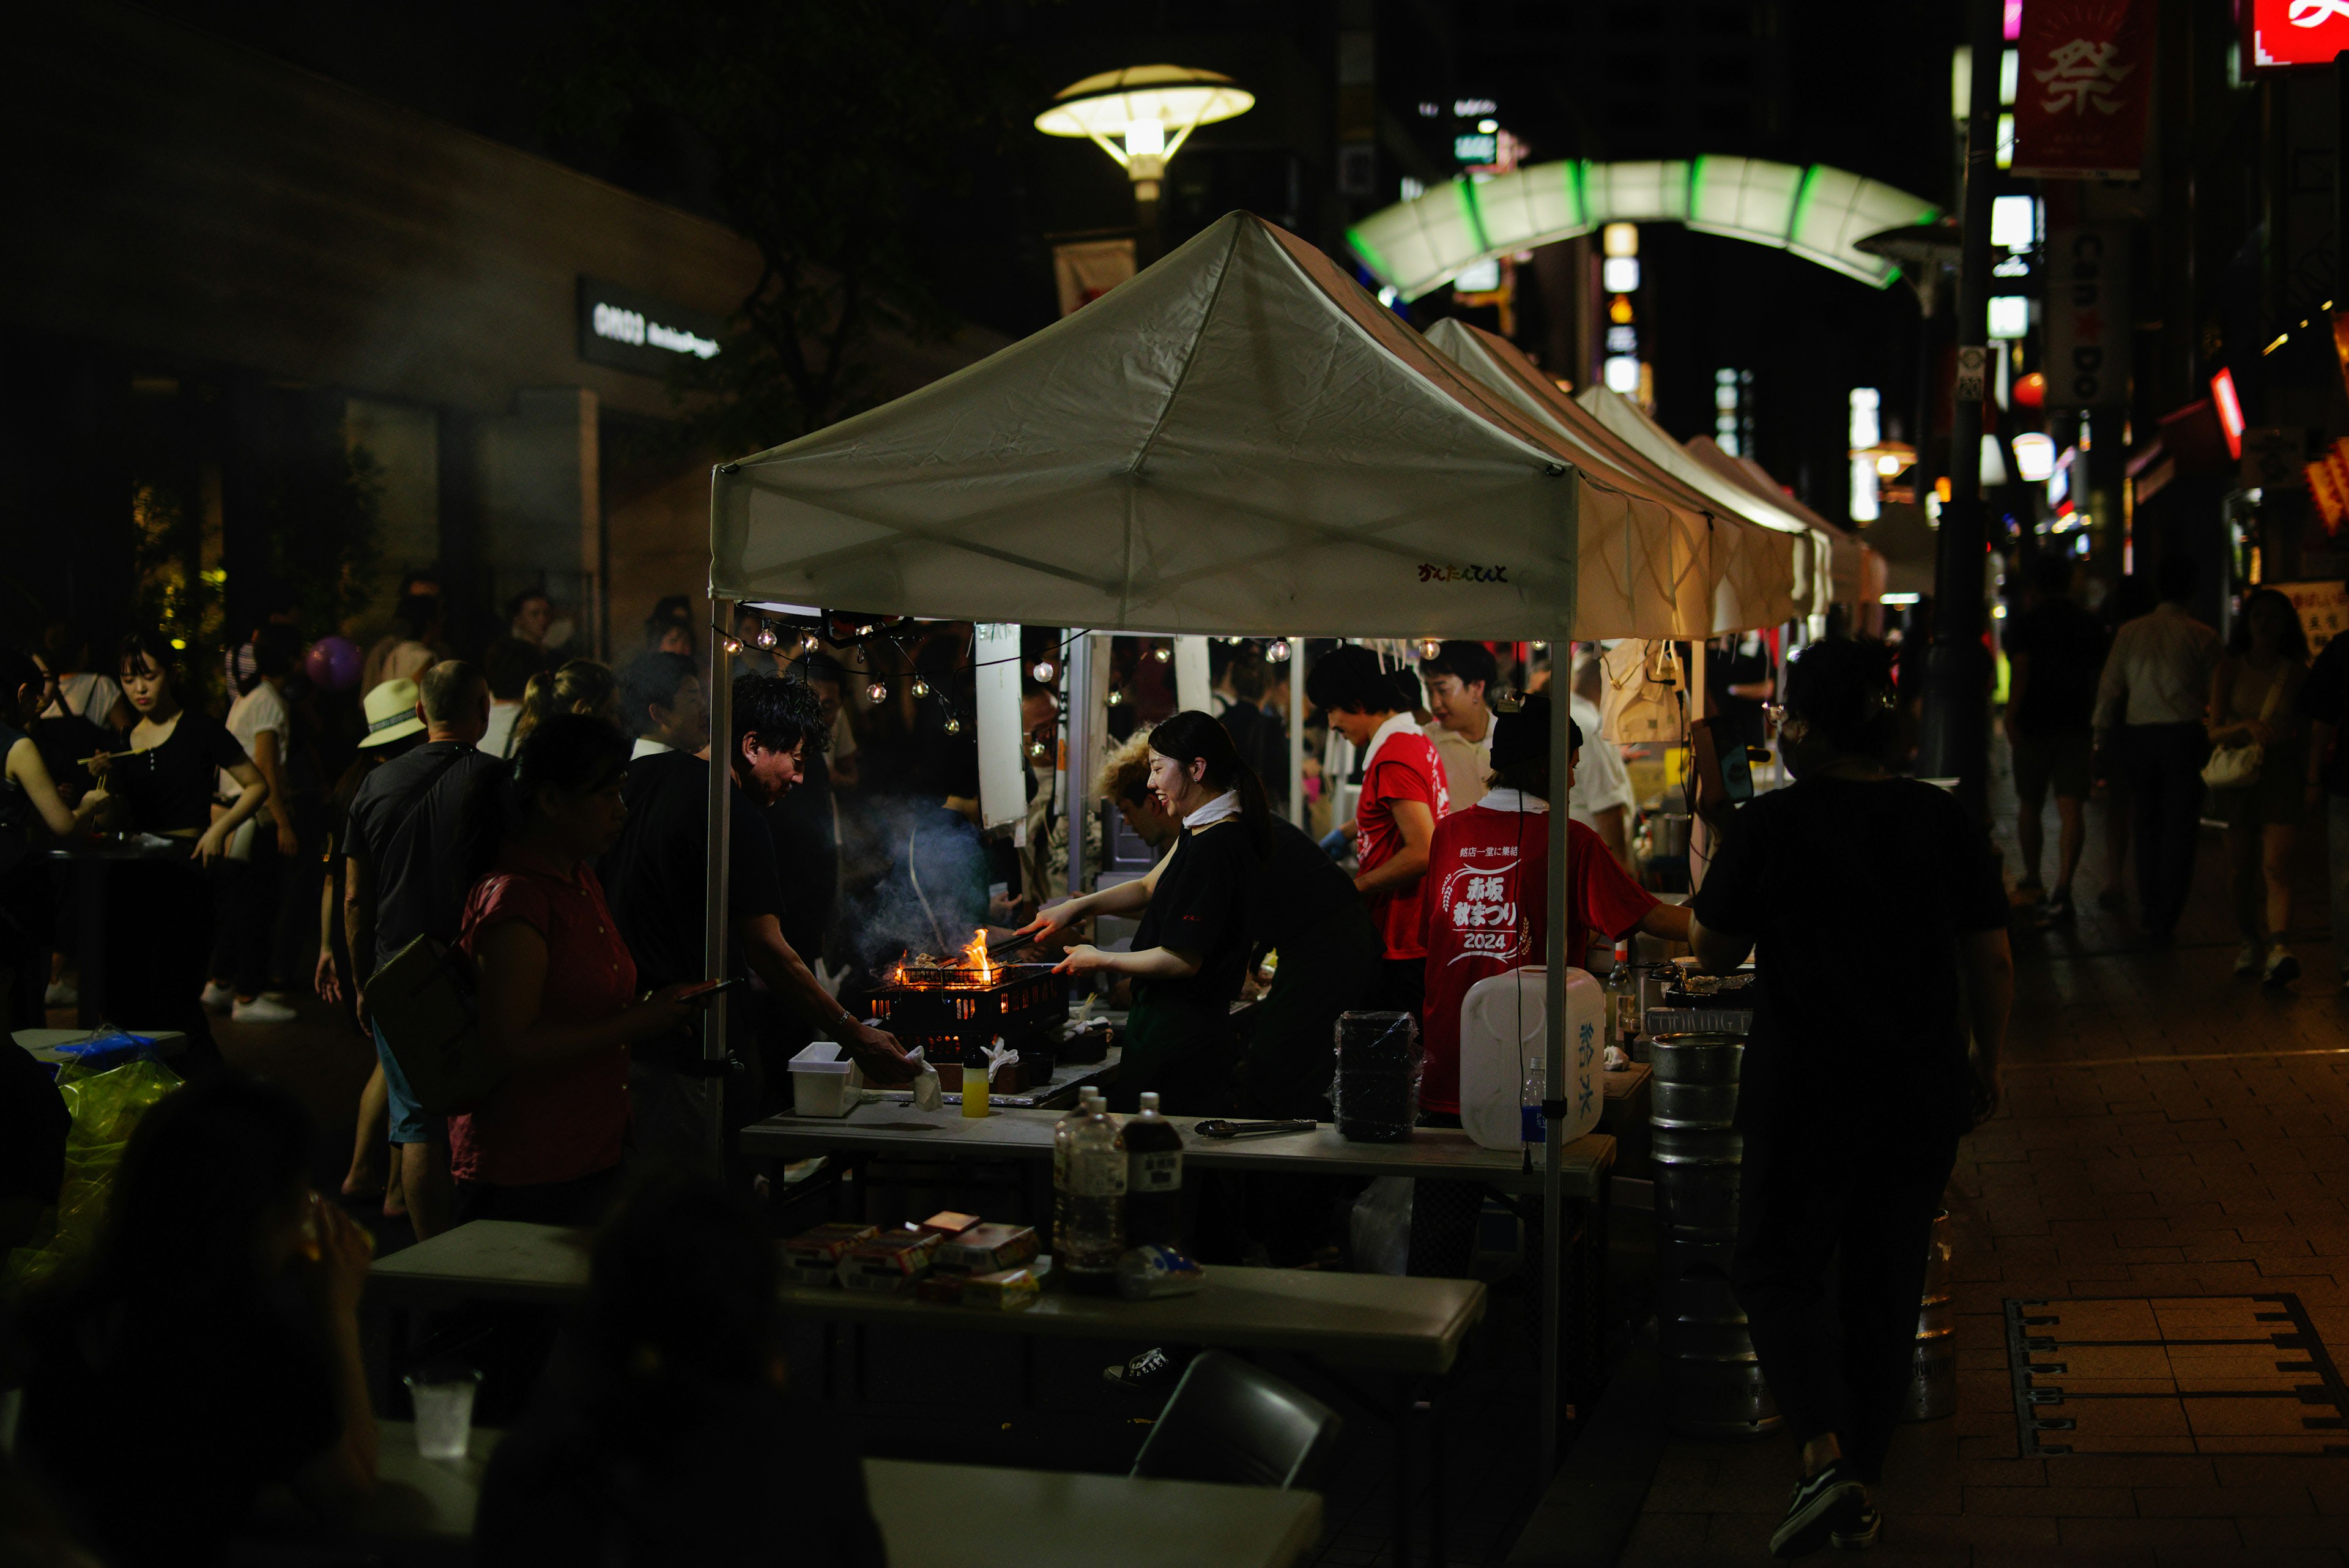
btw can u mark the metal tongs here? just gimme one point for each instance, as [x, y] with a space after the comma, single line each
[1217, 1127]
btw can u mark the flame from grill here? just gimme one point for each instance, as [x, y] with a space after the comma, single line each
[977, 954]
[969, 966]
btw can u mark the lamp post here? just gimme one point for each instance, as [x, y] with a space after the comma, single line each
[1141, 116]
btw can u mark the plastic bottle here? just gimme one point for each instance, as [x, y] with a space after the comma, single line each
[1063, 1133]
[1095, 1230]
[1623, 1020]
[1154, 1178]
[1533, 1128]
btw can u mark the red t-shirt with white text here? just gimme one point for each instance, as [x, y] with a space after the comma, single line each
[1405, 768]
[1488, 913]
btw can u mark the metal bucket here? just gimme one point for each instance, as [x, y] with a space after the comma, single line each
[1698, 1293]
[1937, 1260]
[1695, 1146]
[1703, 1339]
[1691, 1196]
[1691, 1106]
[1722, 1398]
[1697, 1058]
[1933, 1391]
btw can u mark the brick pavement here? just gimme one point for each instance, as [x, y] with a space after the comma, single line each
[2169, 1131]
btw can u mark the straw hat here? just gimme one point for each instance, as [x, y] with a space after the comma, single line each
[391, 713]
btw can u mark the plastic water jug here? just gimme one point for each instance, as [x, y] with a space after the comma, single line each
[1501, 1039]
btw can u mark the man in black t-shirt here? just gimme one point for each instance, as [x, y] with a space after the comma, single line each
[1864, 898]
[657, 881]
[414, 823]
[2055, 653]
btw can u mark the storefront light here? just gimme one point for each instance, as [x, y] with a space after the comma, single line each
[2034, 457]
[1619, 239]
[1619, 275]
[2010, 317]
[1623, 375]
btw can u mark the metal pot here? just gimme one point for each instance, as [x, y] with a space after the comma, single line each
[1722, 1398]
[1703, 1339]
[1936, 1259]
[1695, 1146]
[1933, 1391]
[1693, 1106]
[1697, 1058]
[1700, 1293]
[1700, 1197]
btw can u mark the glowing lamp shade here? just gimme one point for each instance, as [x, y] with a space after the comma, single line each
[2230, 409]
[2030, 391]
[1141, 115]
[2034, 457]
[2009, 316]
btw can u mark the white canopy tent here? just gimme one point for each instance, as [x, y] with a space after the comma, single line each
[1239, 440]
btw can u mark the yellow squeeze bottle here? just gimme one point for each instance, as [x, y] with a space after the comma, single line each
[974, 1091]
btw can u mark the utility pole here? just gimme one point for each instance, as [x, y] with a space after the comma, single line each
[1955, 742]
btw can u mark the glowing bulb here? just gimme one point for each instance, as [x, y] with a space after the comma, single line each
[1116, 697]
[1042, 672]
[921, 687]
[953, 725]
[1035, 748]
[807, 642]
[864, 631]
[1888, 463]
[878, 691]
[1161, 654]
[1279, 651]
[732, 646]
[1539, 646]
[1429, 648]
[765, 636]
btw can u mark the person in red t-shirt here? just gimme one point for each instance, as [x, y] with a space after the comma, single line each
[1403, 797]
[1487, 901]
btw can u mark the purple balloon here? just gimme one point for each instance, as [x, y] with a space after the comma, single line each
[333, 663]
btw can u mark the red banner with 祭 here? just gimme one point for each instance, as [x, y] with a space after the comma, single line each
[2084, 89]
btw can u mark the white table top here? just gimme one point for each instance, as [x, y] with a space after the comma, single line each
[1434, 1152]
[931, 1515]
[1374, 1322]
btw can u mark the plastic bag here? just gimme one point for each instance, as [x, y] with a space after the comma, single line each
[1380, 1226]
[106, 1104]
[1376, 1097]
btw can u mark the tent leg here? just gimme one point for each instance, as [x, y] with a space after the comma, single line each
[1557, 1091]
[1077, 684]
[1297, 731]
[720, 859]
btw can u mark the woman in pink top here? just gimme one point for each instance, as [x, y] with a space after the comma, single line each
[557, 991]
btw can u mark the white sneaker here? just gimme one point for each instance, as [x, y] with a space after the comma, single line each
[60, 994]
[2250, 959]
[219, 998]
[260, 1009]
[2282, 968]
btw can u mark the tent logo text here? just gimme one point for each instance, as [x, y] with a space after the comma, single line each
[1429, 573]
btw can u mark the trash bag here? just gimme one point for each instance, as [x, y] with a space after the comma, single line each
[106, 1104]
[1380, 1226]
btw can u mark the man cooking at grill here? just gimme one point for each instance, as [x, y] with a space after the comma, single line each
[1191, 952]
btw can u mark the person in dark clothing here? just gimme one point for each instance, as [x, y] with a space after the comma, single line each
[32, 813]
[414, 829]
[2152, 704]
[657, 879]
[804, 822]
[209, 1345]
[34, 1124]
[1739, 677]
[2055, 652]
[1197, 907]
[1864, 898]
[663, 1435]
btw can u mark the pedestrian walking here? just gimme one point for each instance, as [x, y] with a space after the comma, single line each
[2055, 649]
[2259, 775]
[2149, 706]
[1863, 897]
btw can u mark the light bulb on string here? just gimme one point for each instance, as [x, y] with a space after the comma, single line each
[1035, 748]
[1429, 648]
[1116, 697]
[807, 642]
[954, 724]
[864, 631]
[1279, 651]
[1161, 654]
[1043, 671]
[731, 646]
[765, 636]
[878, 691]
[921, 687]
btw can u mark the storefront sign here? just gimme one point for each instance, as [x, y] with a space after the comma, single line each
[2085, 86]
[2279, 35]
[2087, 318]
[631, 330]
[1084, 270]
[2324, 609]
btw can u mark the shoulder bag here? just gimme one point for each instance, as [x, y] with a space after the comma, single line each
[2238, 767]
[425, 1001]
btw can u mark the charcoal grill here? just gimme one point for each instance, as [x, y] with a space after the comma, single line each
[947, 1012]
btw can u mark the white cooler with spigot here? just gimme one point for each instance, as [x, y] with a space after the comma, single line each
[1503, 1056]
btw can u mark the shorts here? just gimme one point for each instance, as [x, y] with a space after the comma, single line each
[2065, 763]
[409, 1121]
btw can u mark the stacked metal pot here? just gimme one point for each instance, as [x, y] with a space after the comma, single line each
[1933, 1382]
[1714, 1382]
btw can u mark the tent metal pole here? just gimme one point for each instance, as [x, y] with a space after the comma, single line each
[720, 859]
[1297, 731]
[1556, 957]
[1077, 682]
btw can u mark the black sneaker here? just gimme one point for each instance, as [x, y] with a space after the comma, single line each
[1819, 1503]
[1153, 1371]
[1856, 1526]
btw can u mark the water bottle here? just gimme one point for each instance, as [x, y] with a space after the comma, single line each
[1532, 1125]
[1096, 1201]
[1063, 1133]
[1623, 1020]
[1154, 1178]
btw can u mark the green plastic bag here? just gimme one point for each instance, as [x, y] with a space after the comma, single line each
[105, 1105]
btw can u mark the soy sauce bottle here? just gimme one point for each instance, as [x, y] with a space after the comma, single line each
[1154, 1182]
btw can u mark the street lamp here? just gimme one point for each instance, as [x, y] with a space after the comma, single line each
[1150, 111]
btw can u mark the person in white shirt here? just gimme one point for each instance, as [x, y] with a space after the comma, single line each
[2151, 708]
[660, 693]
[1457, 679]
[256, 872]
[507, 666]
[1603, 799]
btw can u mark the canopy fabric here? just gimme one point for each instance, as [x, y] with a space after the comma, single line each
[1237, 440]
[1814, 587]
[1853, 571]
[1749, 570]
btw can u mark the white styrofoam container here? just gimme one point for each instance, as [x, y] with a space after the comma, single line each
[1501, 1037]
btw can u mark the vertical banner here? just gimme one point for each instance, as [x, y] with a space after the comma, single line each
[2084, 89]
[1086, 269]
[2088, 316]
[1002, 769]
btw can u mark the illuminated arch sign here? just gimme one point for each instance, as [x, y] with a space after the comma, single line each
[1816, 213]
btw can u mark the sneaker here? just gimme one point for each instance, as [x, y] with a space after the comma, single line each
[1857, 1528]
[2282, 968]
[1812, 1514]
[260, 1009]
[219, 998]
[60, 994]
[1151, 1372]
[2250, 960]
[2055, 910]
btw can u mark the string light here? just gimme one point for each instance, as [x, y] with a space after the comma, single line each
[1161, 654]
[1116, 697]
[1279, 651]
[953, 725]
[1429, 648]
[921, 687]
[732, 646]
[878, 691]
[1043, 671]
[864, 631]
[1035, 748]
[807, 642]
[765, 636]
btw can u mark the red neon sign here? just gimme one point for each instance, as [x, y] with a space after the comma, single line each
[2230, 409]
[2284, 34]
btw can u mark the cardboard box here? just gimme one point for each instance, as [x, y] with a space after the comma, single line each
[985, 1249]
[889, 1262]
[813, 1257]
[946, 1222]
[1006, 1290]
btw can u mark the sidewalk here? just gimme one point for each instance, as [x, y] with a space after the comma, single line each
[2170, 1132]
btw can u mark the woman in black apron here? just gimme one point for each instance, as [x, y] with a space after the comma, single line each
[1196, 906]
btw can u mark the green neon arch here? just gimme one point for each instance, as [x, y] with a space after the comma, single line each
[1816, 213]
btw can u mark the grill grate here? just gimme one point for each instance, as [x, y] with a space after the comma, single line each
[951, 1022]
